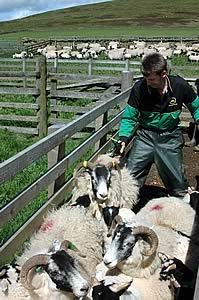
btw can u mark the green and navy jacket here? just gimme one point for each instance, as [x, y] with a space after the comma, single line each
[156, 112]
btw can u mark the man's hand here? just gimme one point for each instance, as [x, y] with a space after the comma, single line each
[123, 145]
[119, 147]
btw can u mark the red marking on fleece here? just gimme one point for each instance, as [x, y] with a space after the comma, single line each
[156, 207]
[47, 226]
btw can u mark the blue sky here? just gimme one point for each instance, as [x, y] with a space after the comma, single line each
[15, 9]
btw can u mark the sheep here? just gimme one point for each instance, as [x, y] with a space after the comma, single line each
[194, 56]
[110, 212]
[175, 269]
[113, 287]
[23, 54]
[159, 216]
[64, 55]
[113, 45]
[174, 218]
[50, 54]
[83, 231]
[134, 252]
[180, 229]
[57, 265]
[116, 53]
[9, 277]
[169, 211]
[106, 184]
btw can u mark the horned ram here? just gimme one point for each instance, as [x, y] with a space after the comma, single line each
[65, 274]
[133, 252]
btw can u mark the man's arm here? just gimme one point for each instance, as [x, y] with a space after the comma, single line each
[128, 126]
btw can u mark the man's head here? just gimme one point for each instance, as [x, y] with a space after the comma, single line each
[154, 69]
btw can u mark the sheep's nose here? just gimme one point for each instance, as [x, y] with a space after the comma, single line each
[103, 195]
[106, 263]
[84, 289]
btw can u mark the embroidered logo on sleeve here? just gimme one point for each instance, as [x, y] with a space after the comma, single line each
[173, 102]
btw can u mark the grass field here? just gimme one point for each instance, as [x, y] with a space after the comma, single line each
[109, 19]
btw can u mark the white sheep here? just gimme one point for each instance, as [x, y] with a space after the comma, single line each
[176, 224]
[11, 289]
[164, 217]
[23, 54]
[85, 233]
[116, 53]
[170, 212]
[106, 185]
[133, 252]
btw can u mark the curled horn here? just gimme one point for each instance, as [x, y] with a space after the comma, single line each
[85, 164]
[117, 220]
[66, 244]
[151, 238]
[34, 261]
[3, 272]
[114, 165]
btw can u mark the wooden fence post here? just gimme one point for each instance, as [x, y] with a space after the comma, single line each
[53, 101]
[56, 63]
[127, 65]
[127, 80]
[42, 98]
[24, 71]
[54, 156]
[103, 119]
[90, 66]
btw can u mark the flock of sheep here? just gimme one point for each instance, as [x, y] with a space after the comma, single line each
[115, 51]
[95, 247]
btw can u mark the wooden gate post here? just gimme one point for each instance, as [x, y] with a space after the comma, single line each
[90, 66]
[54, 156]
[127, 80]
[53, 101]
[24, 71]
[41, 84]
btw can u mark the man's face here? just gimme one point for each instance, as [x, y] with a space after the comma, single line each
[155, 81]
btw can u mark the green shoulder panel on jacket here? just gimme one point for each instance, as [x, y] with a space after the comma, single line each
[194, 108]
[129, 120]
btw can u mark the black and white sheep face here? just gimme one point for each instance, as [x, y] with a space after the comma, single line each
[62, 270]
[101, 179]
[121, 248]
[109, 214]
[110, 288]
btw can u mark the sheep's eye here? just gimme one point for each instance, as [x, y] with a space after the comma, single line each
[129, 244]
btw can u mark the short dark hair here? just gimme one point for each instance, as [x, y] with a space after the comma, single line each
[153, 63]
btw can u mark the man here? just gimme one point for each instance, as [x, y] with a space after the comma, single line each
[155, 103]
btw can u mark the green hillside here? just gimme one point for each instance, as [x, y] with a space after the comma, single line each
[118, 17]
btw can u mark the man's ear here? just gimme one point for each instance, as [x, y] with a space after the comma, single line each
[164, 73]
